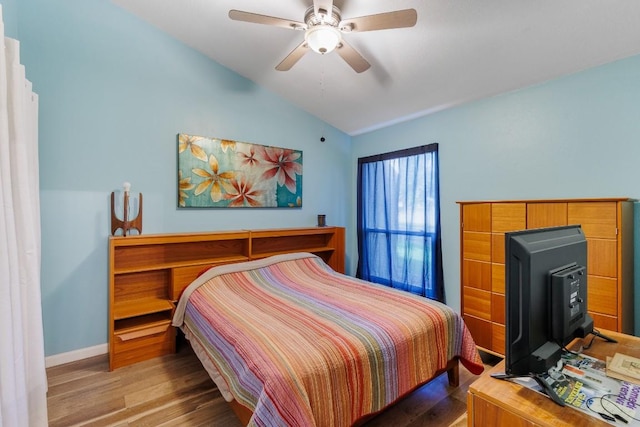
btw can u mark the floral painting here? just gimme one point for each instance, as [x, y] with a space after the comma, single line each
[221, 173]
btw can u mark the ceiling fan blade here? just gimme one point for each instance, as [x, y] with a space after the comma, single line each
[326, 5]
[382, 21]
[239, 15]
[352, 57]
[293, 57]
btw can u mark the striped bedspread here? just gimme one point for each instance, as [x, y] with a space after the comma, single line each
[302, 345]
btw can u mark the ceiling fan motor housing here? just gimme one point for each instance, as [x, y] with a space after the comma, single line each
[322, 17]
[322, 34]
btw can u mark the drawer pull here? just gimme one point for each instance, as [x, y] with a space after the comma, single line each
[142, 333]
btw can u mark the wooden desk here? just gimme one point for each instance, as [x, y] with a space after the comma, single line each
[493, 402]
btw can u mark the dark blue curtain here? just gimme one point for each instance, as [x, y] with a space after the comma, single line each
[399, 242]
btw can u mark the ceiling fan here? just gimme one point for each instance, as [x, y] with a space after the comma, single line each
[323, 29]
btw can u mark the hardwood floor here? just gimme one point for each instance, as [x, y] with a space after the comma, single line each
[175, 390]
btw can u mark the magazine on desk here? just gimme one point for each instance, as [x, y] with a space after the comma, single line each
[625, 365]
[582, 383]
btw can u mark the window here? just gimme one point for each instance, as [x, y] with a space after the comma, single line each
[399, 221]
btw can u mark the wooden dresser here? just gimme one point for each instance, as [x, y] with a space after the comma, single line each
[147, 274]
[608, 226]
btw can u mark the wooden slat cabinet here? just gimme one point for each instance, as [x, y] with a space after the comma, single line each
[609, 244]
[476, 271]
[608, 226]
[505, 217]
[147, 274]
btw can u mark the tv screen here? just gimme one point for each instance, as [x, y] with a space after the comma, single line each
[546, 296]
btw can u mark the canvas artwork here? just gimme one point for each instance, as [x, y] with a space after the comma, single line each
[219, 173]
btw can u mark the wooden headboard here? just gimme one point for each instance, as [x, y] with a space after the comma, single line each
[147, 274]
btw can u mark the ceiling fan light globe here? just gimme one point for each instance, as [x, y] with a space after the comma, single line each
[322, 38]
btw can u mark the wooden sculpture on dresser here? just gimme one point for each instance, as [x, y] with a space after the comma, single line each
[125, 224]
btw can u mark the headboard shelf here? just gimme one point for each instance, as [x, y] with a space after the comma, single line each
[185, 263]
[320, 250]
[137, 307]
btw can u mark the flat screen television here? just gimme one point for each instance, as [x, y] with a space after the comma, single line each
[545, 297]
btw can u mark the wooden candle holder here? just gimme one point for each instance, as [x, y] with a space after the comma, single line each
[125, 224]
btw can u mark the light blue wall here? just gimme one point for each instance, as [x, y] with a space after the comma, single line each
[572, 137]
[114, 93]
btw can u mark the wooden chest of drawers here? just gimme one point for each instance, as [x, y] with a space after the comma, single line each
[608, 226]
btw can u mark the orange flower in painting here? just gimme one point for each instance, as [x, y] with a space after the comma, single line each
[217, 181]
[242, 194]
[226, 144]
[281, 163]
[188, 141]
[184, 185]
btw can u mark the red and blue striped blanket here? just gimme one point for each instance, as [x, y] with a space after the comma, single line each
[302, 345]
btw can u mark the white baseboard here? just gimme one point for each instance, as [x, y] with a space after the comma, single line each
[72, 356]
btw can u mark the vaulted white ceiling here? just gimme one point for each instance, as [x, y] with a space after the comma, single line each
[458, 51]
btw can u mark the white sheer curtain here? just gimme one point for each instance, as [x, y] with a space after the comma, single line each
[23, 380]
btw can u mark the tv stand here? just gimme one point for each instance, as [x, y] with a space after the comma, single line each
[587, 328]
[545, 386]
[603, 336]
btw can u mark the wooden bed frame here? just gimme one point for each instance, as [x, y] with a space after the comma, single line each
[147, 274]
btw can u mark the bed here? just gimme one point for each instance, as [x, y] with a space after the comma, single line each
[289, 341]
